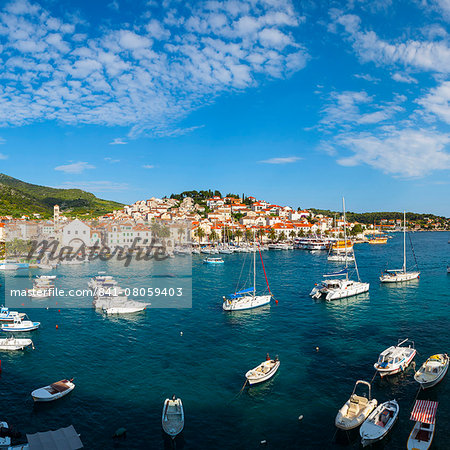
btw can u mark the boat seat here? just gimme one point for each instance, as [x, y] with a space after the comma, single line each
[353, 409]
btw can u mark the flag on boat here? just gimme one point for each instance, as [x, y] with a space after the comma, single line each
[341, 272]
[243, 291]
[424, 411]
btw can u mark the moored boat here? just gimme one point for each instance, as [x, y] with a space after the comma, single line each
[13, 343]
[356, 410]
[53, 391]
[379, 422]
[395, 359]
[8, 316]
[432, 371]
[213, 261]
[424, 414]
[264, 371]
[173, 416]
[20, 325]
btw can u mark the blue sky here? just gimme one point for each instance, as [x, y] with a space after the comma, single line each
[295, 102]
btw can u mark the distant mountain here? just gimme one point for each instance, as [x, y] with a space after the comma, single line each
[18, 198]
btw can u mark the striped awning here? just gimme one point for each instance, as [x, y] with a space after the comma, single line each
[424, 411]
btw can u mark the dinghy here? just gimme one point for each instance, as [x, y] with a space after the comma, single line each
[433, 370]
[379, 423]
[424, 414]
[395, 359]
[53, 391]
[12, 343]
[20, 325]
[356, 409]
[5, 439]
[173, 417]
[263, 371]
[213, 261]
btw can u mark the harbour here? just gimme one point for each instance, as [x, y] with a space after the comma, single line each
[131, 364]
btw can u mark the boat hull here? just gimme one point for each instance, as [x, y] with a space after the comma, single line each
[173, 417]
[247, 302]
[42, 395]
[416, 444]
[10, 327]
[370, 432]
[429, 383]
[402, 365]
[252, 380]
[400, 277]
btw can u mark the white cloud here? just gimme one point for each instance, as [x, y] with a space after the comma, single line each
[2, 140]
[148, 166]
[437, 101]
[367, 77]
[3, 156]
[77, 167]
[111, 160]
[424, 55]
[118, 141]
[281, 160]
[95, 186]
[406, 153]
[403, 78]
[147, 75]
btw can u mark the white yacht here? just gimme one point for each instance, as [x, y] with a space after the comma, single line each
[400, 275]
[334, 287]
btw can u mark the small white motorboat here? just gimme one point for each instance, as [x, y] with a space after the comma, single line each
[263, 371]
[13, 343]
[379, 422]
[125, 309]
[20, 325]
[395, 359]
[173, 417]
[432, 371]
[424, 414]
[53, 391]
[8, 316]
[356, 409]
[213, 260]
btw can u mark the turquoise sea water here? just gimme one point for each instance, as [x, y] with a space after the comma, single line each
[124, 368]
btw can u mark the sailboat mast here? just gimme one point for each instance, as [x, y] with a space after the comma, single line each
[345, 237]
[404, 241]
[254, 265]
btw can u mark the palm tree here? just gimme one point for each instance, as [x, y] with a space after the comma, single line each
[260, 233]
[272, 234]
[238, 234]
[301, 233]
[180, 234]
[292, 234]
[248, 235]
[200, 234]
[213, 236]
[282, 236]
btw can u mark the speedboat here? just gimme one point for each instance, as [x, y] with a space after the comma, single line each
[132, 308]
[356, 409]
[9, 265]
[395, 359]
[424, 414]
[8, 316]
[263, 371]
[53, 391]
[20, 325]
[341, 257]
[173, 417]
[379, 422]
[432, 371]
[213, 261]
[12, 343]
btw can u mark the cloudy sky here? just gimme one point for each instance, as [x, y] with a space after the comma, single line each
[297, 102]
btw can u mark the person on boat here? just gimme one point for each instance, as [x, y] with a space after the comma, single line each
[267, 357]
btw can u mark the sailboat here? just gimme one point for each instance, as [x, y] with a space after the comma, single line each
[334, 287]
[399, 275]
[247, 298]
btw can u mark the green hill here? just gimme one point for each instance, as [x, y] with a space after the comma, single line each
[18, 198]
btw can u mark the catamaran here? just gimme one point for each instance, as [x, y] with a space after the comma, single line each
[335, 288]
[399, 275]
[247, 298]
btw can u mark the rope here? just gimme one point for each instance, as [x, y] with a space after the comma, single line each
[373, 378]
[239, 393]
[264, 269]
[413, 252]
